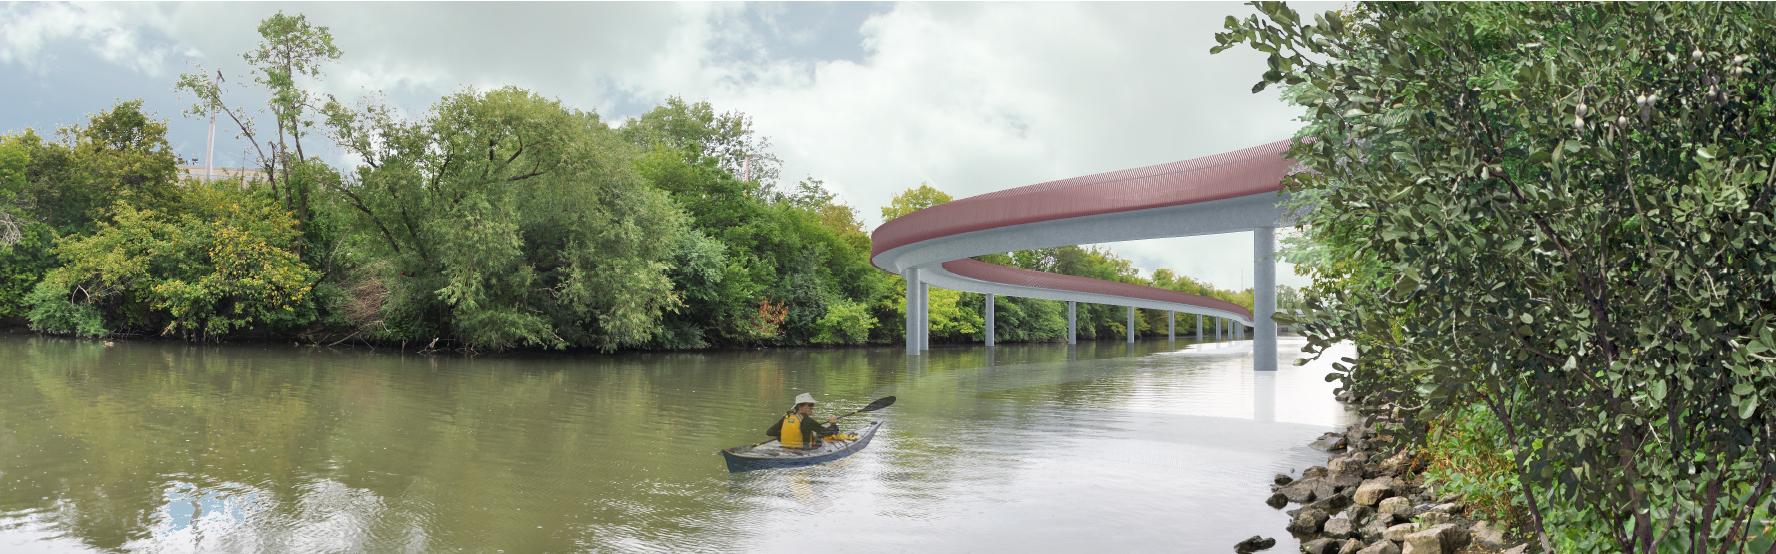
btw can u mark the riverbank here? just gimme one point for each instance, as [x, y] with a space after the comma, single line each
[1373, 498]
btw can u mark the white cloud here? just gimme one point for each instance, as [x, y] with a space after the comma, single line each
[114, 32]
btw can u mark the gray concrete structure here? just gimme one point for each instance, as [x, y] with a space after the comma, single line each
[988, 308]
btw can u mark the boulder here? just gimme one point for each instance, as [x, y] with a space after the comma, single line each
[1451, 508]
[1399, 532]
[1300, 492]
[1324, 488]
[1519, 549]
[1332, 504]
[1394, 505]
[1490, 534]
[1373, 491]
[1277, 500]
[1441, 539]
[1281, 479]
[1381, 547]
[1360, 457]
[1321, 546]
[1359, 515]
[1308, 522]
[1373, 529]
[1428, 519]
[1338, 528]
[1314, 472]
[1254, 544]
[1351, 546]
[1329, 442]
[1343, 481]
[1345, 466]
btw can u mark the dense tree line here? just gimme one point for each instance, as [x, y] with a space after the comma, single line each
[1546, 227]
[496, 219]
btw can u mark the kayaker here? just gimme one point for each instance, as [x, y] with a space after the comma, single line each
[797, 428]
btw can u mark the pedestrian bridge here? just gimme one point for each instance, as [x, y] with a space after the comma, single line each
[1225, 193]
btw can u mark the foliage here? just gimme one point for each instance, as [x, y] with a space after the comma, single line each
[914, 199]
[510, 220]
[724, 142]
[1567, 205]
[223, 262]
[1467, 455]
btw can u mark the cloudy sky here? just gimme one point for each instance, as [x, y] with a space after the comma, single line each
[872, 98]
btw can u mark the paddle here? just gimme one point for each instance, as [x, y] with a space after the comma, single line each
[880, 403]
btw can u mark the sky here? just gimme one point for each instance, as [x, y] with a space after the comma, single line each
[871, 98]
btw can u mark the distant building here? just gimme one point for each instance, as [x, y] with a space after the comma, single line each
[246, 173]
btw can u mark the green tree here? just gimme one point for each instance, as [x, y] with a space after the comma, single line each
[223, 262]
[1568, 204]
[511, 220]
[290, 47]
[912, 200]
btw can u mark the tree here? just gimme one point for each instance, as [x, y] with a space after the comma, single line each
[1568, 204]
[913, 200]
[510, 220]
[290, 47]
[726, 142]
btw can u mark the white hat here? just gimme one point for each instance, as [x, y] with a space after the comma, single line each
[805, 398]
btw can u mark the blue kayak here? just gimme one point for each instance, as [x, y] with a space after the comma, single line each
[772, 454]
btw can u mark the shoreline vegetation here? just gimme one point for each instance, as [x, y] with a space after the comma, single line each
[496, 219]
[1546, 229]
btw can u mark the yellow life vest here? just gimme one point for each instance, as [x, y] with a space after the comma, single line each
[791, 435]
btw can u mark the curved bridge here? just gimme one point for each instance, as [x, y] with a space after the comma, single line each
[1231, 192]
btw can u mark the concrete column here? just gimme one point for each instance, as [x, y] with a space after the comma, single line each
[912, 310]
[1171, 325]
[1199, 328]
[1217, 329]
[1264, 300]
[1072, 322]
[1131, 325]
[924, 316]
[989, 310]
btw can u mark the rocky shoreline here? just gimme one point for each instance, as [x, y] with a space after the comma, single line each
[1369, 499]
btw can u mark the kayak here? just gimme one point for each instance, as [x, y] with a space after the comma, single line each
[772, 454]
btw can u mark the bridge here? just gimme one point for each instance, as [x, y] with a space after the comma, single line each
[1224, 193]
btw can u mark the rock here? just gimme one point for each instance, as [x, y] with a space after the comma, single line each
[1351, 546]
[1323, 488]
[1360, 457]
[1277, 500]
[1345, 466]
[1396, 464]
[1321, 546]
[1339, 528]
[1254, 544]
[1394, 505]
[1441, 539]
[1451, 508]
[1519, 549]
[1281, 479]
[1359, 514]
[1373, 530]
[1489, 534]
[1314, 472]
[1343, 481]
[1331, 504]
[1371, 471]
[1428, 519]
[1381, 547]
[1308, 522]
[1373, 491]
[1329, 442]
[1300, 492]
[1399, 532]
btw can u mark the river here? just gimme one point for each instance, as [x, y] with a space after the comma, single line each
[145, 446]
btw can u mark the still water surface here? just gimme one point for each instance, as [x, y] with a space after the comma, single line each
[164, 447]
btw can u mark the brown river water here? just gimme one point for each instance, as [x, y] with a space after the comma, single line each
[1103, 447]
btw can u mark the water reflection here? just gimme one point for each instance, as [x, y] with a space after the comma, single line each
[168, 447]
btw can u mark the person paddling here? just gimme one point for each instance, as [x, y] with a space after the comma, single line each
[797, 428]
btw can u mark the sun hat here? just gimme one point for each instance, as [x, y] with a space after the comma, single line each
[805, 398]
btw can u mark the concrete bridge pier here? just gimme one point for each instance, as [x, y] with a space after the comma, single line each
[1264, 339]
[989, 309]
[912, 310]
[1171, 325]
[1131, 325]
[1072, 322]
[1199, 328]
